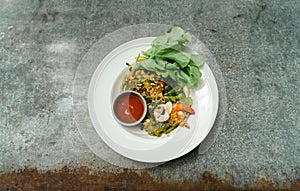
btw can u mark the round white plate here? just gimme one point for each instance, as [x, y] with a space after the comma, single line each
[135, 143]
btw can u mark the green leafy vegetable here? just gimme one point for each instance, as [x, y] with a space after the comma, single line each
[186, 100]
[169, 57]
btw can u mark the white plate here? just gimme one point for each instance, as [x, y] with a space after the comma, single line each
[134, 143]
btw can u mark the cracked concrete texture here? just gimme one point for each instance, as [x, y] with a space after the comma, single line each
[256, 44]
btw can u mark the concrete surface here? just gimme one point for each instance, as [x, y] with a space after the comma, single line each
[256, 43]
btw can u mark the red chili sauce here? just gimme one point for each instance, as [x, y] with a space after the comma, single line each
[129, 107]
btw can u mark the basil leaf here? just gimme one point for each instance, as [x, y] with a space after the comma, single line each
[181, 58]
[195, 71]
[148, 64]
[198, 59]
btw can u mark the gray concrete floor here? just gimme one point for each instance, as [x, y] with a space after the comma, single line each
[256, 43]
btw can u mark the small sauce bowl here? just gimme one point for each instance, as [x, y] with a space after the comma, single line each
[129, 108]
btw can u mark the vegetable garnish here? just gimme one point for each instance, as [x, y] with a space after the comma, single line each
[169, 57]
[164, 76]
